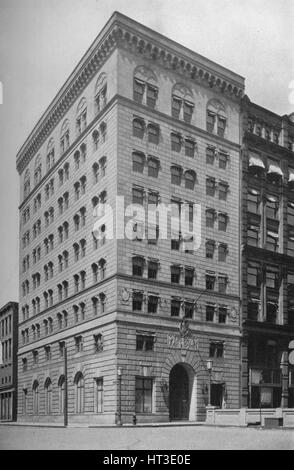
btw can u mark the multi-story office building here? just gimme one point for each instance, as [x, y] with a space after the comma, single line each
[8, 362]
[143, 118]
[267, 257]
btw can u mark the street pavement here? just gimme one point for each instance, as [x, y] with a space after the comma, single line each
[174, 437]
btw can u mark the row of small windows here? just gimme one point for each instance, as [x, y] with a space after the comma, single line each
[79, 395]
[177, 272]
[98, 169]
[100, 100]
[98, 307]
[146, 91]
[178, 307]
[63, 234]
[98, 271]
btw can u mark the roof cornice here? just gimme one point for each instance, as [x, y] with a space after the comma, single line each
[121, 31]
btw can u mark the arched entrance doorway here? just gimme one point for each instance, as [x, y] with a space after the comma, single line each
[180, 387]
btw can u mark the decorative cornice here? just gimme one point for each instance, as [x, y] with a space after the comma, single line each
[123, 32]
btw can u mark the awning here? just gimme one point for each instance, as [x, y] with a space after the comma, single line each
[256, 161]
[275, 169]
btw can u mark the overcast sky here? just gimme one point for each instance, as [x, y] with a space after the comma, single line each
[42, 40]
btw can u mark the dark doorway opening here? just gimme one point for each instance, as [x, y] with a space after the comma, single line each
[179, 399]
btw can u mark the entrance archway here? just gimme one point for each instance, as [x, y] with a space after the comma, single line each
[180, 391]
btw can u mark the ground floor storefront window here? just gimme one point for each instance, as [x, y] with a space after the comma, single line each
[143, 395]
[6, 406]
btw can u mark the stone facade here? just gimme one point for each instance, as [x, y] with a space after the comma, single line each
[123, 357]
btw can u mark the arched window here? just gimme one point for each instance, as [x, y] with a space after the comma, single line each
[216, 117]
[145, 86]
[27, 183]
[64, 136]
[37, 170]
[100, 93]
[81, 116]
[190, 179]
[48, 396]
[36, 397]
[61, 388]
[182, 102]
[50, 154]
[80, 393]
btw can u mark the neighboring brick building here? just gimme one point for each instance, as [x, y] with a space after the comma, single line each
[8, 362]
[267, 257]
[144, 118]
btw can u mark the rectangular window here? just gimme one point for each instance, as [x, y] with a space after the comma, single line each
[210, 154]
[175, 307]
[223, 189]
[290, 213]
[99, 395]
[152, 304]
[272, 241]
[222, 284]
[210, 281]
[188, 111]
[210, 121]
[210, 246]
[152, 270]
[176, 107]
[221, 126]
[153, 134]
[222, 252]
[210, 186]
[176, 142]
[144, 342]
[137, 301]
[272, 207]
[222, 160]
[222, 314]
[189, 276]
[189, 309]
[253, 275]
[143, 395]
[137, 196]
[253, 200]
[175, 274]
[222, 222]
[210, 313]
[152, 93]
[189, 148]
[138, 90]
[210, 217]
[216, 349]
[253, 235]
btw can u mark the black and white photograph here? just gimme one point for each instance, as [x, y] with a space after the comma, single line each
[147, 233]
